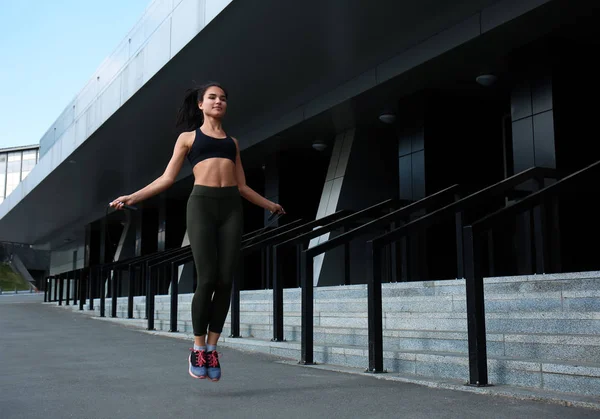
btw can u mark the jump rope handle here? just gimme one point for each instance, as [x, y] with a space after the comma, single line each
[129, 207]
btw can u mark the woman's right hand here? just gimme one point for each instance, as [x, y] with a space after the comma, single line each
[122, 200]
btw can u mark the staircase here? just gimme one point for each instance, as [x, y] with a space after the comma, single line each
[543, 331]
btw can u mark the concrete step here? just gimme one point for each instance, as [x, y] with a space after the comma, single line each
[576, 301]
[543, 331]
[582, 347]
[535, 369]
[564, 376]
[557, 322]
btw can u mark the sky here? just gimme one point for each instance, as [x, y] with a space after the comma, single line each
[48, 52]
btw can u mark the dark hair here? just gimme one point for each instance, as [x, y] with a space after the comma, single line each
[189, 113]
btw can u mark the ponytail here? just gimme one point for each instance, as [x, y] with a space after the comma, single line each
[189, 113]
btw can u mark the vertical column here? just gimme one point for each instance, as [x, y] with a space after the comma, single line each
[73, 277]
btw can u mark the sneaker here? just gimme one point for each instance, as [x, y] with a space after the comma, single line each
[197, 363]
[214, 367]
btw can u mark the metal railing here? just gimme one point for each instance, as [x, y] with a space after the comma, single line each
[308, 255]
[301, 241]
[447, 204]
[535, 202]
[456, 209]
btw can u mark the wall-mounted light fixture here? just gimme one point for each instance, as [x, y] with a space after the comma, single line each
[387, 117]
[486, 80]
[319, 145]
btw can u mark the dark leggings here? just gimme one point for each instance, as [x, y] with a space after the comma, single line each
[214, 225]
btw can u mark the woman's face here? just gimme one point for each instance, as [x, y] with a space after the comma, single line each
[214, 102]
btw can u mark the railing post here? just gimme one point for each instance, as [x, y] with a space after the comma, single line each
[150, 298]
[131, 291]
[113, 292]
[346, 260]
[277, 298]
[268, 265]
[75, 287]
[45, 289]
[60, 290]
[174, 297]
[235, 299]
[375, 309]
[146, 272]
[307, 336]
[93, 272]
[83, 281]
[460, 271]
[478, 374]
[393, 257]
[102, 292]
[299, 249]
[68, 296]
[56, 288]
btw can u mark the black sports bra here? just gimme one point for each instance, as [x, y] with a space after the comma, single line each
[205, 147]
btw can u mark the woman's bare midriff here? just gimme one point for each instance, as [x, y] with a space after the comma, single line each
[217, 172]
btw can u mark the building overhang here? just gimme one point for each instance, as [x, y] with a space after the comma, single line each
[284, 63]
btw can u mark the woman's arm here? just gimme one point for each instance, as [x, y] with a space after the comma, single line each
[164, 181]
[247, 192]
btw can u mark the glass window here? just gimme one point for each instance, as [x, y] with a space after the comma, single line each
[13, 172]
[29, 160]
[29, 155]
[2, 175]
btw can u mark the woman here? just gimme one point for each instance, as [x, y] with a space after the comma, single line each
[214, 215]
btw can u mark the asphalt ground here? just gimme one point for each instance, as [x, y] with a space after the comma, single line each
[55, 363]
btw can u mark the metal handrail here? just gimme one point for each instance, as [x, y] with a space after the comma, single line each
[326, 225]
[307, 260]
[456, 209]
[473, 272]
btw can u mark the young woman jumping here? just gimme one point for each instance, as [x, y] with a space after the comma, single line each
[214, 215]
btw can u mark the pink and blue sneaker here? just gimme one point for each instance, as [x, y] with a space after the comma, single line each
[197, 363]
[214, 366]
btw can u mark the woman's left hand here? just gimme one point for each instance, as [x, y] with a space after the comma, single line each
[276, 208]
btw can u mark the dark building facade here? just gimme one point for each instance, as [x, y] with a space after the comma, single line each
[440, 94]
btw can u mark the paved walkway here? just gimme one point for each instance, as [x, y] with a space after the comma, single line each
[59, 364]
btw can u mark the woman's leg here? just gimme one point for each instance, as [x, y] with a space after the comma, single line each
[229, 242]
[202, 233]
[229, 236]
